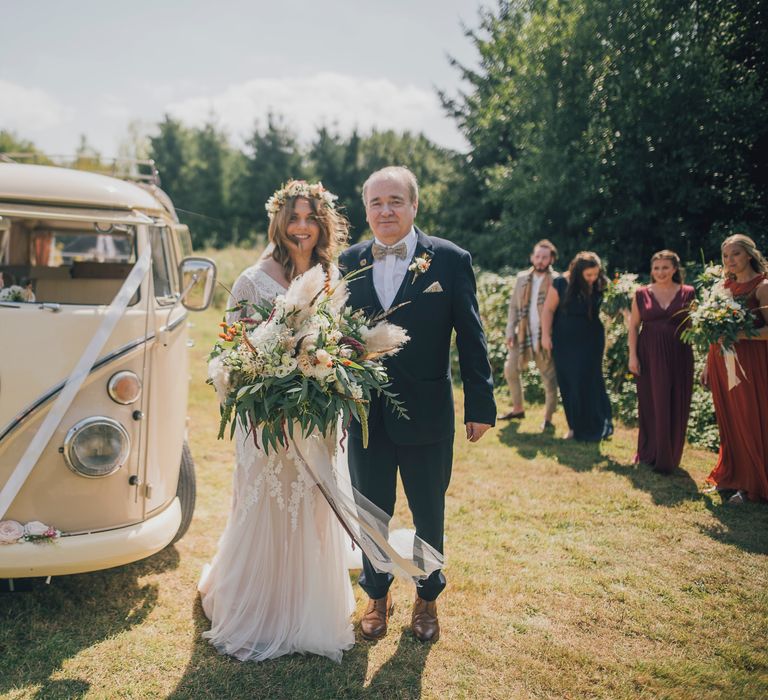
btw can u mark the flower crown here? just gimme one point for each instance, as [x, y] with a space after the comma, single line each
[299, 188]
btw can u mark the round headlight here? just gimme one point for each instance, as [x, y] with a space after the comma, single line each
[96, 447]
[124, 387]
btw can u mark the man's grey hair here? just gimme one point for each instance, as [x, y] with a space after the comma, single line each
[395, 172]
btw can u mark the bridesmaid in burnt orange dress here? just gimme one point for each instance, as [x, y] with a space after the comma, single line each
[662, 363]
[742, 412]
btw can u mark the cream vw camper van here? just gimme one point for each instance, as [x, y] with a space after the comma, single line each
[97, 279]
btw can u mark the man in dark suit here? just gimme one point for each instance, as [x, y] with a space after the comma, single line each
[430, 285]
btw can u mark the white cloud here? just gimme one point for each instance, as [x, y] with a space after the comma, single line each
[344, 101]
[29, 110]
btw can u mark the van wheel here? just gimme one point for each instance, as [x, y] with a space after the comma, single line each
[186, 491]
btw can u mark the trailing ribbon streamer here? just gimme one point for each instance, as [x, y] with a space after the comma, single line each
[75, 380]
[731, 360]
[363, 521]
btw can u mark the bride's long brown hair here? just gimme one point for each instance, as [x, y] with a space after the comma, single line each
[334, 231]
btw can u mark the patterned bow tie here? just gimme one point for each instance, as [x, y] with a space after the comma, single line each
[381, 251]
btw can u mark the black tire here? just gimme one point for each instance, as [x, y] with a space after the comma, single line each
[186, 491]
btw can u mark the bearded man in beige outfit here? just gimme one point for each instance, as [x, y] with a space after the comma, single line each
[524, 333]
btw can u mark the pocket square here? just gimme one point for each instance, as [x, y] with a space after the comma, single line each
[434, 287]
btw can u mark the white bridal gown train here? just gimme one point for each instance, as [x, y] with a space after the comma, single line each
[278, 583]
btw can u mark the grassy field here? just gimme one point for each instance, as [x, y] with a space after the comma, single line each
[571, 574]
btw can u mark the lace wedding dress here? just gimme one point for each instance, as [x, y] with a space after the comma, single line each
[278, 583]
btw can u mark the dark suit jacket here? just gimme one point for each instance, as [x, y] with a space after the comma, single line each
[420, 373]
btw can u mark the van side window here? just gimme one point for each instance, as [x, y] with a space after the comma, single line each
[163, 272]
[68, 262]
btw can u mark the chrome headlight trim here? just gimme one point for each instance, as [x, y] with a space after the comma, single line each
[78, 428]
[115, 379]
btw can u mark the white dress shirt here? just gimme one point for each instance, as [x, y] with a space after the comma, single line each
[534, 322]
[389, 271]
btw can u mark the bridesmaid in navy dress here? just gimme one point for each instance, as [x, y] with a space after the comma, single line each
[573, 332]
[662, 363]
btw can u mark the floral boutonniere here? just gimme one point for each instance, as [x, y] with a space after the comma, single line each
[420, 265]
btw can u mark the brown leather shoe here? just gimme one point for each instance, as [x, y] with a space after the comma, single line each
[424, 622]
[373, 623]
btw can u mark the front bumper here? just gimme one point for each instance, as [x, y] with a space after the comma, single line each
[77, 554]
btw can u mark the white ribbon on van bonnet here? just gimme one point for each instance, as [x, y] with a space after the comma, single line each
[75, 380]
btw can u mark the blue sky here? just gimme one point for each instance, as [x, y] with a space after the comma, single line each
[93, 67]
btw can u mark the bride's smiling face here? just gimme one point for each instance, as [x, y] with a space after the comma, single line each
[303, 230]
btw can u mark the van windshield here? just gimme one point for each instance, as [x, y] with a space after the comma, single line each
[64, 263]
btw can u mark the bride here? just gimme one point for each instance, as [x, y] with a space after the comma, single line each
[278, 583]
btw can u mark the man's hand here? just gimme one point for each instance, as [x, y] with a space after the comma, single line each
[476, 430]
[510, 343]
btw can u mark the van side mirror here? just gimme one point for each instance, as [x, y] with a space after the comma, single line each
[198, 279]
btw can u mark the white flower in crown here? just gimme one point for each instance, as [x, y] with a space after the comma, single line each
[299, 188]
[419, 265]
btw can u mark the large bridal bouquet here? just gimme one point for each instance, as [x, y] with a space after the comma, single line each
[304, 360]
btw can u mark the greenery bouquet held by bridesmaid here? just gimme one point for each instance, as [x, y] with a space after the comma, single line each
[737, 370]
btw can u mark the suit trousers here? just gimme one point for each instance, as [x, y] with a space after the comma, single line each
[425, 471]
[546, 367]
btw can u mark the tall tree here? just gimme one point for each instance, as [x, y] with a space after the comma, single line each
[207, 186]
[336, 162]
[272, 158]
[622, 126]
[11, 143]
[171, 149]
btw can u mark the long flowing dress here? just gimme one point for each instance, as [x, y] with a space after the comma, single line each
[578, 342]
[278, 583]
[665, 384]
[742, 412]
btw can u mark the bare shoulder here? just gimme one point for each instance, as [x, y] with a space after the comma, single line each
[762, 289]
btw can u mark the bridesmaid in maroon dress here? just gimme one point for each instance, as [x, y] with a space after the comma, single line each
[662, 363]
[742, 412]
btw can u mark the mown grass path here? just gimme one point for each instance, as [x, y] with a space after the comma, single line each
[572, 574]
